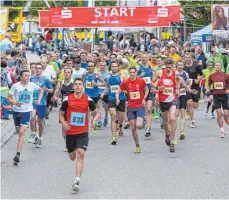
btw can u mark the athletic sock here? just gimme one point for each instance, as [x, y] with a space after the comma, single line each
[213, 109]
[77, 179]
[208, 106]
[222, 129]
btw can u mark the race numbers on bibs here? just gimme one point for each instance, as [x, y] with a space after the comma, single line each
[190, 81]
[25, 96]
[89, 85]
[168, 91]
[134, 95]
[182, 91]
[77, 119]
[218, 85]
[147, 80]
[114, 88]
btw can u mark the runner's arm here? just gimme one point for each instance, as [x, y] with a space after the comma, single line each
[11, 100]
[182, 83]
[95, 111]
[103, 83]
[57, 90]
[63, 110]
[146, 90]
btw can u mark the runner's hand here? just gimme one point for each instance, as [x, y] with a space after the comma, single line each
[101, 96]
[194, 92]
[45, 89]
[37, 102]
[18, 104]
[117, 102]
[154, 90]
[196, 81]
[161, 88]
[65, 126]
[227, 91]
[93, 83]
[142, 74]
[143, 102]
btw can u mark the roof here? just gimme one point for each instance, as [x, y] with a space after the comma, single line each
[197, 36]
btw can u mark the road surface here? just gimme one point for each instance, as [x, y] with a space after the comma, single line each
[198, 169]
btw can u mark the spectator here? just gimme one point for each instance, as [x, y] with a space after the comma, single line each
[6, 43]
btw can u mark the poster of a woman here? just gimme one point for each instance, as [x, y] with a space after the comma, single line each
[220, 18]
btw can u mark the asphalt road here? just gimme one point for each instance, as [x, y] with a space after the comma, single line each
[198, 168]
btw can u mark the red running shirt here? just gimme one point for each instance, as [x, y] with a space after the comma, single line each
[76, 110]
[220, 82]
[135, 91]
[169, 82]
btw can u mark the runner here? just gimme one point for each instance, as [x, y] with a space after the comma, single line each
[39, 110]
[92, 81]
[74, 119]
[78, 71]
[21, 97]
[116, 111]
[63, 88]
[195, 76]
[104, 74]
[220, 82]
[182, 103]
[168, 88]
[137, 92]
[145, 71]
[206, 73]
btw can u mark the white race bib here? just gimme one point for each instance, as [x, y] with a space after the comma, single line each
[89, 85]
[190, 81]
[218, 85]
[147, 80]
[114, 88]
[134, 95]
[182, 91]
[168, 91]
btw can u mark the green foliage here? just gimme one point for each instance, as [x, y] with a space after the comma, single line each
[105, 3]
[198, 13]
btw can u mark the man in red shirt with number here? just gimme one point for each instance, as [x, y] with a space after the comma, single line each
[137, 92]
[74, 118]
[220, 82]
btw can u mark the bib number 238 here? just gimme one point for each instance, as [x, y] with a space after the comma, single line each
[78, 119]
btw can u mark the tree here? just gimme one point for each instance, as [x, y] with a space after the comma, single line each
[198, 13]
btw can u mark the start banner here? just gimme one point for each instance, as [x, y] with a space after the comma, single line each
[109, 17]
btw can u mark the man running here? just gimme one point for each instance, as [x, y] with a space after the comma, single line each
[220, 82]
[206, 73]
[39, 110]
[137, 92]
[116, 111]
[168, 88]
[92, 81]
[195, 76]
[21, 97]
[63, 88]
[73, 116]
[145, 72]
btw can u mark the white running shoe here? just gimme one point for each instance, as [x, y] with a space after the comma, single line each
[193, 124]
[31, 138]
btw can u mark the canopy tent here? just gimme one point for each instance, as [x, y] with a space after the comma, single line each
[202, 35]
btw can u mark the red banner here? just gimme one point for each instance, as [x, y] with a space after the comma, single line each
[109, 17]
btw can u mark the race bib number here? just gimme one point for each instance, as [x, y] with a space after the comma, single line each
[25, 96]
[147, 80]
[190, 81]
[218, 85]
[168, 91]
[89, 85]
[182, 91]
[134, 95]
[77, 119]
[35, 95]
[114, 88]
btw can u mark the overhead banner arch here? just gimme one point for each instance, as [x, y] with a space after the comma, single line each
[94, 17]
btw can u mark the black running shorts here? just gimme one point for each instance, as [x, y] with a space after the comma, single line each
[78, 141]
[221, 100]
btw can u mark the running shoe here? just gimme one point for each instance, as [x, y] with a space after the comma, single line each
[137, 149]
[226, 120]
[187, 116]
[114, 141]
[65, 150]
[120, 132]
[39, 143]
[155, 115]
[16, 159]
[99, 124]
[212, 116]
[206, 112]
[35, 140]
[148, 134]
[172, 149]
[182, 136]
[193, 124]
[31, 138]
[75, 186]
[223, 134]
[126, 125]
[105, 122]
[167, 141]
